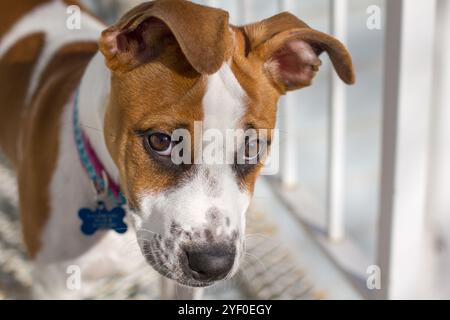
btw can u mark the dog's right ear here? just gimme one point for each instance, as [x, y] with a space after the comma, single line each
[290, 50]
[142, 34]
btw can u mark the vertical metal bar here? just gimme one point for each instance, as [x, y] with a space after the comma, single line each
[288, 149]
[287, 124]
[336, 132]
[406, 110]
[438, 199]
[284, 5]
[245, 8]
[210, 3]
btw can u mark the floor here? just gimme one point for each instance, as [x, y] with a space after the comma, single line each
[329, 282]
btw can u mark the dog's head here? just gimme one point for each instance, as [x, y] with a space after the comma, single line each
[182, 79]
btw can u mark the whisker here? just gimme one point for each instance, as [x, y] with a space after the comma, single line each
[246, 254]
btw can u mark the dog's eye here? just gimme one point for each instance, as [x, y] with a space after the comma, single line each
[253, 150]
[160, 142]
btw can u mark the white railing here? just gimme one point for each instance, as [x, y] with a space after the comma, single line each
[405, 145]
[415, 164]
[336, 137]
[438, 199]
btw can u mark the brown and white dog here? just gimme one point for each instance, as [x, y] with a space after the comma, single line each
[165, 65]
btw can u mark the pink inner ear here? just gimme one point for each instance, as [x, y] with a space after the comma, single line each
[110, 42]
[297, 63]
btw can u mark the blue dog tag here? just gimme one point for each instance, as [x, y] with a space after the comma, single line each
[102, 219]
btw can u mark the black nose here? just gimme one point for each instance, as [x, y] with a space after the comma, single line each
[210, 264]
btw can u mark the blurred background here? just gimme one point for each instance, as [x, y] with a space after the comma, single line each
[358, 208]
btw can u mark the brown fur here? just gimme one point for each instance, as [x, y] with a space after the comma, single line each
[11, 11]
[133, 40]
[17, 64]
[163, 95]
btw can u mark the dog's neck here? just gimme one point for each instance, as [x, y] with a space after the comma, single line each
[93, 100]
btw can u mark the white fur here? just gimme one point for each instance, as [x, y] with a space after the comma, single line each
[224, 102]
[50, 19]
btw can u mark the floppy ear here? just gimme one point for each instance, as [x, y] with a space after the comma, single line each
[290, 50]
[143, 33]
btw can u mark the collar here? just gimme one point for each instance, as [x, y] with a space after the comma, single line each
[101, 180]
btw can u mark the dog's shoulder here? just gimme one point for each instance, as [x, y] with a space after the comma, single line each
[39, 56]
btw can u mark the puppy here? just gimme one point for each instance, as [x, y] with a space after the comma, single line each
[104, 107]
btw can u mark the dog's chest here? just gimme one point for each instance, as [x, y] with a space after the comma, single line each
[70, 190]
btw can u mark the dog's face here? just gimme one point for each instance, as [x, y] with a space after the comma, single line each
[180, 70]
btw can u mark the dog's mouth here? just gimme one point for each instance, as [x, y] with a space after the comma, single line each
[190, 265]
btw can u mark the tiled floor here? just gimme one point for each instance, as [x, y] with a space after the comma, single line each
[326, 278]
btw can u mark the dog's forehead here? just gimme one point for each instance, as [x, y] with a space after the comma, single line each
[228, 99]
[167, 94]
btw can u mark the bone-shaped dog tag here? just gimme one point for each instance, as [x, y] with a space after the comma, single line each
[102, 219]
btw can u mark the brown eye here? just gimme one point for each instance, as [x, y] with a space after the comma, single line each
[253, 149]
[161, 143]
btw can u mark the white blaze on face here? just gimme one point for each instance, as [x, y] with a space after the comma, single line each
[224, 101]
[224, 104]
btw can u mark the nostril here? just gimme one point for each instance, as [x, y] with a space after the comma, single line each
[193, 261]
[210, 264]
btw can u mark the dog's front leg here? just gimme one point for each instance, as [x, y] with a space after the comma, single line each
[170, 290]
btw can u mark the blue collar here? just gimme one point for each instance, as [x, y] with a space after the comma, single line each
[102, 181]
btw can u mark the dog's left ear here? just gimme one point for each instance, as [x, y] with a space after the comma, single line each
[143, 33]
[290, 50]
